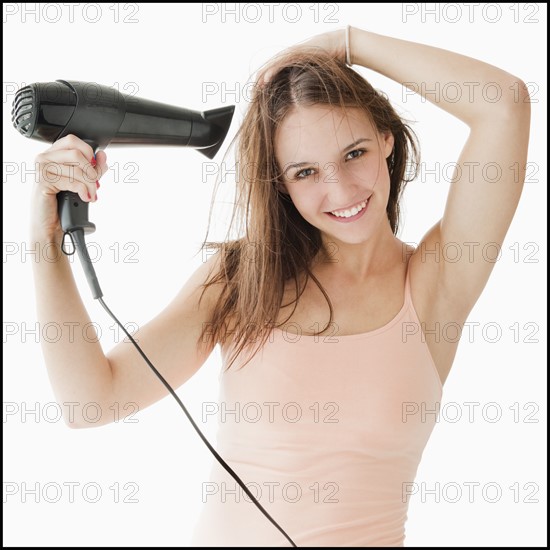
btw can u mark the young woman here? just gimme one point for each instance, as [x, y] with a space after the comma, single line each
[332, 330]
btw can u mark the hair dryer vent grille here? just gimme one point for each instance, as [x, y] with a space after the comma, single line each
[22, 114]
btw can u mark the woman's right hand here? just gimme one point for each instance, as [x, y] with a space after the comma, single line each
[68, 165]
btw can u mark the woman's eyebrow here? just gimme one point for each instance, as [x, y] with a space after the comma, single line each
[300, 164]
[351, 145]
[296, 165]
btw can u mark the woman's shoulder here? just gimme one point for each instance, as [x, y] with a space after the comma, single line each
[432, 297]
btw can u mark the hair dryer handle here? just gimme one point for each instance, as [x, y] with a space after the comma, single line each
[72, 210]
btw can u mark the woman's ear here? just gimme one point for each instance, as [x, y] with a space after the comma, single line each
[388, 143]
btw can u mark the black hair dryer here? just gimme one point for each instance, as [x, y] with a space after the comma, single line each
[102, 116]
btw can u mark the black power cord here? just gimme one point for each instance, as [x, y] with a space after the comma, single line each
[77, 237]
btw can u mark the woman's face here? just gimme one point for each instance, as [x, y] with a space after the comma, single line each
[334, 169]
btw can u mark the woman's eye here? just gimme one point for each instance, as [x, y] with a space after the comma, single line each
[304, 173]
[356, 153]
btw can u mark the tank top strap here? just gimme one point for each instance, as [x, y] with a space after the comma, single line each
[407, 298]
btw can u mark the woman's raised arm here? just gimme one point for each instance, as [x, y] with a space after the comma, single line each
[489, 174]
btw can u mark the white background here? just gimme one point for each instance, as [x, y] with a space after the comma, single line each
[159, 200]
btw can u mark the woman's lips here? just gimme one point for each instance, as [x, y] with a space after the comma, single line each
[351, 218]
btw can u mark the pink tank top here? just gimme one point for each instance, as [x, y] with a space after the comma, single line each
[327, 433]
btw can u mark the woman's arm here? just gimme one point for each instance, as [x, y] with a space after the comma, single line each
[79, 371]
[490, 171]
[466, 88]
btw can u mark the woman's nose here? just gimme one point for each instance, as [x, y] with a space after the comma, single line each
[341, 185]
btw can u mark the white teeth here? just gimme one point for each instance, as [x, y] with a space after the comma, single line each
[351, 212]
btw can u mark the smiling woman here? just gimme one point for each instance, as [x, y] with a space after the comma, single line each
[329, 308]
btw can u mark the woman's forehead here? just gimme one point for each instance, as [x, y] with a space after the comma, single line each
[306, 129]
[315, 116]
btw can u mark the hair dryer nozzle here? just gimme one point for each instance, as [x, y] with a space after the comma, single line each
[220, 120]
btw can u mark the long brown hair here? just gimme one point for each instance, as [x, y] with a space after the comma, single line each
[278, 245]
